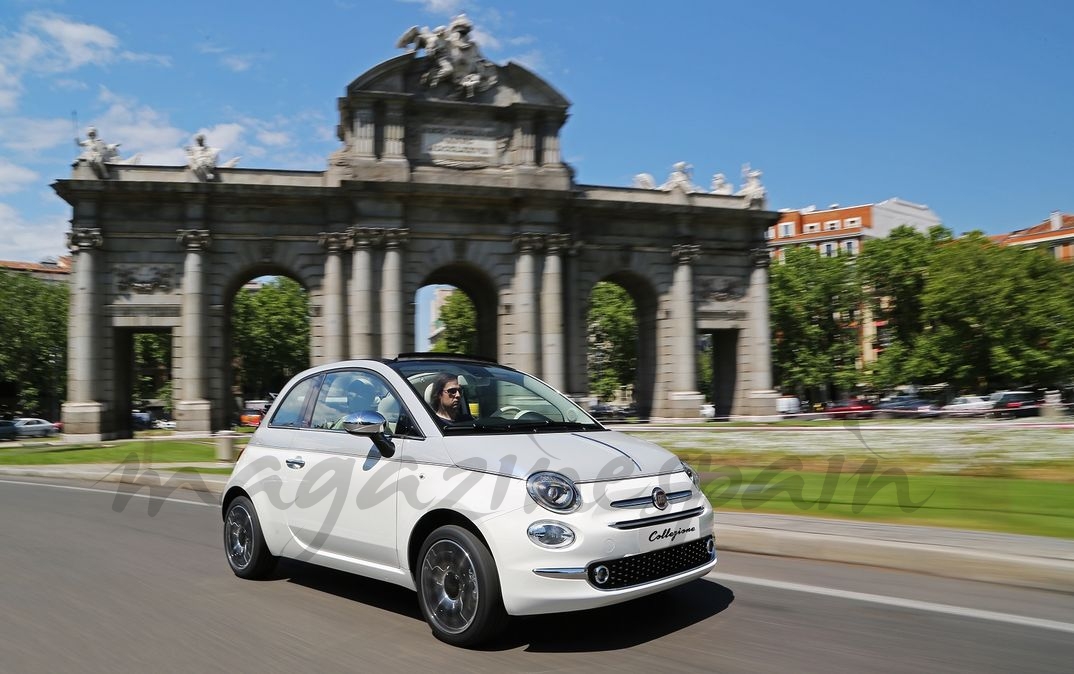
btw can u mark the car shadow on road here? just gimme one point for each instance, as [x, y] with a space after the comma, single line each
[620, 626]
[380, 595]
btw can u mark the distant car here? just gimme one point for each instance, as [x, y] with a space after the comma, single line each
[7, 429]
[907, 407]
[28, 427]
[850, 408]
[708, 410]
[1015, 404]
[251, 416]
[967, 406]
[164, 424]
[788, 405]
[606, 411]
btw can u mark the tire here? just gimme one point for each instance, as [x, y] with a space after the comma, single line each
[244, 544]
[459, 588]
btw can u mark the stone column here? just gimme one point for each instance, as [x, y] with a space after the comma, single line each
[394, 129]
[364, 132]
[761, 400]
[192, 411]
[391, 293]
[362, 306]
[525, 302]
[335, 336]
[684, 399]
[524, 140]
[550, 131]
[83, 351]
[552, 323]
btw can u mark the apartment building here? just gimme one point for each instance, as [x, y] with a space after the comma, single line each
[1056, 234]
[51, 270]
[845, 228]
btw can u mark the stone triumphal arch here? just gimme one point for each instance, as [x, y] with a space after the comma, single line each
[449, 171]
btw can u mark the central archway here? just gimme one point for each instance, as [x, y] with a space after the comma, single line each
[481, 291]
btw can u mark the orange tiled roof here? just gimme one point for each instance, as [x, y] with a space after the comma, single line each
[1040, 230]
[62, 266]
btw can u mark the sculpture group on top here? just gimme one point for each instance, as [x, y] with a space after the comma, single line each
[97, 153]
[451, 57]
[681, 177]
[201, 158]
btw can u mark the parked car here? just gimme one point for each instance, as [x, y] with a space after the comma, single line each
[164, 424]
[908, 407]
[1015, 404]
[28, 427]
[967, 406]
[788, 405]
[525, 505]
[253, 412]
[851, 408]
[708, 410]
[7, 429]
[606, 411]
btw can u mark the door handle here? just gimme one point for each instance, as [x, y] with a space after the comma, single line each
[296, 462]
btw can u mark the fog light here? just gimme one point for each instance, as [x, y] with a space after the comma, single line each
[550, 534]
[710, 545]
[601, 575]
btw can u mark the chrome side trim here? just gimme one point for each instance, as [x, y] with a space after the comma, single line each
[643, 501]
[571, 573]
[658, 519]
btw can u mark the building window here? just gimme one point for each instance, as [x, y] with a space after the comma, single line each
[851, 247]
[1057, 251]
[786, 229]
[851, 222]
[812, 227]
[768, 233]
[829, 250]
[831, 225]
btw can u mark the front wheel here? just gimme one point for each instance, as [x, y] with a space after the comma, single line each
[459, 588]
[244, 542]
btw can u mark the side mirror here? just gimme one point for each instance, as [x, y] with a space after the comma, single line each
[372, 425]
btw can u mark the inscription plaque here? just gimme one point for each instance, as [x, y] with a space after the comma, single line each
[460, 146]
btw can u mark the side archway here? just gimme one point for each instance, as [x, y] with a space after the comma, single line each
[482, 292]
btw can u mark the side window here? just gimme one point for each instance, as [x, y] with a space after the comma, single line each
[347, 392]
[289, 411]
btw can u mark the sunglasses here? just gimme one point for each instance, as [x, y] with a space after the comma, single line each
[453, 391]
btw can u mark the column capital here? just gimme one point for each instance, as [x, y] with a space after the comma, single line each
[395, 238]
[334, 242]
[555, 244]
[685, 253]
[363, 238]
[194, 239]
[81, 239]
[761, 257]
[528, 242]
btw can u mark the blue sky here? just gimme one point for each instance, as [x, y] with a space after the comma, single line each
[966, 107]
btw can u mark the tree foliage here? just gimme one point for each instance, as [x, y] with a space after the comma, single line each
[815, 311]
[270, 335]
[458, 317]
[612, 339]
[33, 341]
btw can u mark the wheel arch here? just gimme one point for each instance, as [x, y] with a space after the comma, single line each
[430, 522]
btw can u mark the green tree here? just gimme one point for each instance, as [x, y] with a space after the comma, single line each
[815, 307]
[612, 339]
[33, 341]
[271, 335]
[459, 320]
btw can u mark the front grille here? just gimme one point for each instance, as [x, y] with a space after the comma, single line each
[650, 566]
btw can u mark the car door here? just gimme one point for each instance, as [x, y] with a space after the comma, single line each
[344, 489]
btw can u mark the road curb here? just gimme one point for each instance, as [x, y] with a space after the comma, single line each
[951, 562]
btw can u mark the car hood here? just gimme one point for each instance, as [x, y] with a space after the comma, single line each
[583, 456]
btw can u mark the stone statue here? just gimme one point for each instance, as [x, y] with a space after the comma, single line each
[201, 159]
[97, 153]
[644, 181]
[720, 184]
[451, 56]
[752, 188]
[680, 177]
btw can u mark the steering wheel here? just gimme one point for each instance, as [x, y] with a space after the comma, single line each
[508, 412]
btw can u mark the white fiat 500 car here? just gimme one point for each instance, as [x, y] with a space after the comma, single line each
[517, 503]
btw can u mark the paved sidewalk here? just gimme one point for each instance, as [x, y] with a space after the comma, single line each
[1010, 559]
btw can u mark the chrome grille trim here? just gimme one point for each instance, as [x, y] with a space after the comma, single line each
[578, 573]
[643, 501]
[658, 519]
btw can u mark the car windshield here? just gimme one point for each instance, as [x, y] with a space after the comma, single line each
[495, 399]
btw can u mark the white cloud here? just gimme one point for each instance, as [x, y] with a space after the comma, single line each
[276, 138]
[237, 63]
[10, 88]
[532, 60]
[30, 241]
[14, 178]
[437, 6]
[31, 136]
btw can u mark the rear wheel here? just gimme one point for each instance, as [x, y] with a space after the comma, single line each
[459, 588]
[244, 543]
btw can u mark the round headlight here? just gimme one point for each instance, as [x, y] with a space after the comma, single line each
[553, 491]
[692, 474]
[550, 534]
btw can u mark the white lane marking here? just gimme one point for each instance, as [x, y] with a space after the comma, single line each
[929, 606]
[137, 494]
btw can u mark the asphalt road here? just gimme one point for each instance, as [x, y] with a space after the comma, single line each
[94, 583]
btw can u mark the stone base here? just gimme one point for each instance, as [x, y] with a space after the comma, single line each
[193, 416]
[682, 405]
[759, 406]
[86, 422]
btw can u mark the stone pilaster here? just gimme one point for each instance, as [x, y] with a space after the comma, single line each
[362, 305]
[553, 357]
[193, 409]
[391, 293]
[524, 141]
[525, 302]
[761, 398]
[683, 399]
[394, 129]
[335, 336]
[550, 156]
[364, 133]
